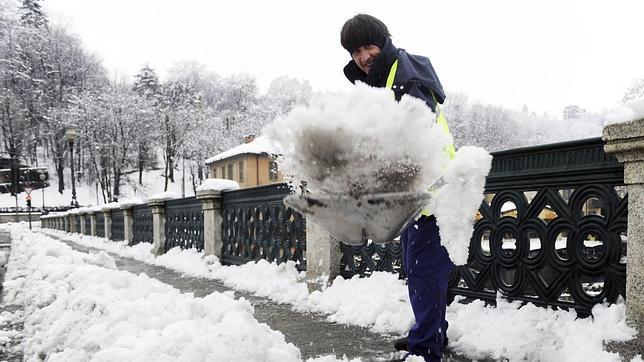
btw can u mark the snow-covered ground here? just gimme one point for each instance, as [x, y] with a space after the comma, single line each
[380, 302]
[79, 307]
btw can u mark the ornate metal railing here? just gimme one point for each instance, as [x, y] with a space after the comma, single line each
[552, 230]
[257, 225]
[364, 260]
[88, 225]
[118, 225]
[142, 228]
[183, 224]
[100, 224]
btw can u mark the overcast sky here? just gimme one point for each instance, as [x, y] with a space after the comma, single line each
[545, 54]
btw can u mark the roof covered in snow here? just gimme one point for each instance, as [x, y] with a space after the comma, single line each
[261, 145]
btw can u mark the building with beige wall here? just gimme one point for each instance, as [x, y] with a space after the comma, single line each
[250, 164]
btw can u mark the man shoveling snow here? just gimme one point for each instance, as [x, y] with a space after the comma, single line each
[371, 142]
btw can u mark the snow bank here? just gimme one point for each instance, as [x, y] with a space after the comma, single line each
[380, 302]
[218, 184]
[531, 333]
[77, 308]
[361, 142]
[458, 200]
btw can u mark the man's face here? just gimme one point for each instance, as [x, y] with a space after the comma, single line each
[365, 56]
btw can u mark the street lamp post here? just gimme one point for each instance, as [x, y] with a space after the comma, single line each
[70, 135]
[43, 177]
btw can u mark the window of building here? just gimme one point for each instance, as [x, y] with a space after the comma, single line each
[223, 172]
[230, 171]
[241, 171]
[272, 170]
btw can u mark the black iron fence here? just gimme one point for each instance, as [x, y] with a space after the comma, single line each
[142, 225]
[118, 225]
[257, 225]
[100, 224]
[551, 231]
[88, 226]
[183, 224]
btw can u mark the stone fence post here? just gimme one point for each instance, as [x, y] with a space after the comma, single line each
[323, 255]
[92, 222]
[71, 222]
[107, 224]
[158, 226]
[128, 223]
[626, 142]
[81, 215]
[211, 204]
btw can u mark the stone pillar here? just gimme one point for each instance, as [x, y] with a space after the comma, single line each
[158, 226]
[71, 223]
[107, 216]
[323, 255]
[626, 142]
[92, 223]
[83, 227]
[211, 204]
[128, 223]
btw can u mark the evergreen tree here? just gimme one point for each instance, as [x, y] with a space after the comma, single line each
[31, 14]
[146, 82]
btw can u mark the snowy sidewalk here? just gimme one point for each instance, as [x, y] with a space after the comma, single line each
[151, 302]
[10, 326]
[310, 332]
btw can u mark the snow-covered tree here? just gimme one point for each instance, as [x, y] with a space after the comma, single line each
[634, 91]
[573, 112]
[204, 81]
[146, 82]
[284, 93]
[180, 108]
[31, 13]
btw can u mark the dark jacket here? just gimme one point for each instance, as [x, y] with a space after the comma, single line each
[415, 75]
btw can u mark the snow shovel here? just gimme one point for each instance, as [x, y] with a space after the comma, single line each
[355, 219]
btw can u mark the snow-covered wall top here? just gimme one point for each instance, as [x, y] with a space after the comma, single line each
[259, 146]
[218, 184]
[131, 202]
[168, 195]
[631, 111]
[110, 206]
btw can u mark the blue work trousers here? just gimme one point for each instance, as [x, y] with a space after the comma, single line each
[428, 269]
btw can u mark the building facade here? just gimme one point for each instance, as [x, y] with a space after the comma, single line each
[250, 164]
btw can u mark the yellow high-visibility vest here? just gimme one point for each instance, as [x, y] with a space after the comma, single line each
[440, 119]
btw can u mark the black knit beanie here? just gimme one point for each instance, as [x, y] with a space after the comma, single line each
[362, 30]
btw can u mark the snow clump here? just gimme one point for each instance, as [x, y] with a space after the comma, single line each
[457, 201]
[218, 184]
[361, 142]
